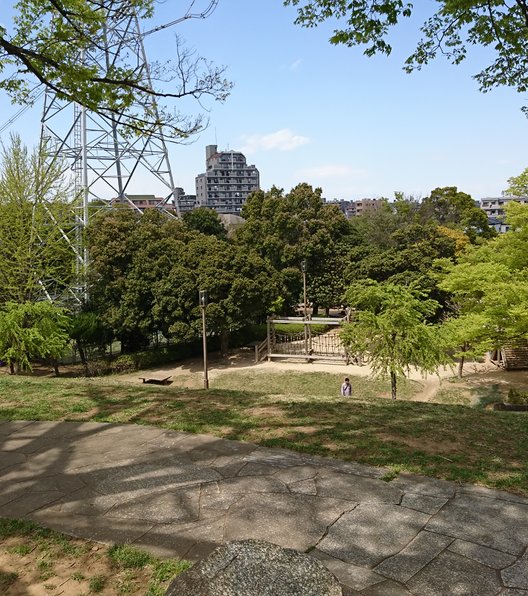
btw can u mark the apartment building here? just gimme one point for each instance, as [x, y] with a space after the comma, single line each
[494, 209]
[227, 181]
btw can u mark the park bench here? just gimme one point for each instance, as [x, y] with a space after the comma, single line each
[165, 381]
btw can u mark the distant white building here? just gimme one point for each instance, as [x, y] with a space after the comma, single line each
[494, 209]
[227, 181]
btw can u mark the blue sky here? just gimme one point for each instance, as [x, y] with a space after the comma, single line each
[306, 111]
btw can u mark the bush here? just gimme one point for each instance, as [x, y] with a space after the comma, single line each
[517, 397]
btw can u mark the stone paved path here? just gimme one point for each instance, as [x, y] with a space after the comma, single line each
[183, 494]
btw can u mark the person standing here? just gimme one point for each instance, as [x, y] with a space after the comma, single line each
[346, 388]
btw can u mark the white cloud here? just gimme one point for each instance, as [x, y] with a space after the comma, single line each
[282, 140]
[295, 64]
[331, 171]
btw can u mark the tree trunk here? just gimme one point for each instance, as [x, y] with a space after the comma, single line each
[55, 365]
[82, 353]
[327, 311]
[461, 361]
[393, 384]
[224, 342]
[315, 309]
[11, 368]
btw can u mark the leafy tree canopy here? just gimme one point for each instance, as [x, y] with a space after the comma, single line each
[451, 208]
[518, 185]
[206, 221]
[454, 26]
[36, 258]
[59, 43]
[32, 330]
[390, 325]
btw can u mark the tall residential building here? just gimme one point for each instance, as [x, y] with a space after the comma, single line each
[227, 181]
[494, 209]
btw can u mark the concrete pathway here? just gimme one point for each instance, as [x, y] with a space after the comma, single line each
[181, 494]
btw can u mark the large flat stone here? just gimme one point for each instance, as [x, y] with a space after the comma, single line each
[185, 540]
[10, 458]
[372, 532]
[134, 480]
[162, 508]
[487, 556]
[500, 525]
[516, 576]
[415, 556]
[26, 503]
[252, 484]
[450, 574]
[387, 588]
[433, 487]
[292, 521]
[352, 576]
[423, 503]
[356, 488]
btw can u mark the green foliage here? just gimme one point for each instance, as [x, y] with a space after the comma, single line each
[128, 557]
[36, 260]
[286, 229]
[450, 31]
[32, 330]
[206, 221]
[97, 583]
[518, 185]
[489, 287]
[449, 207]
[146, 273]
[390, 325]
[517, 397]
[45, 40]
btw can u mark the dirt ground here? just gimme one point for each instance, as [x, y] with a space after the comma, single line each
[189, 373]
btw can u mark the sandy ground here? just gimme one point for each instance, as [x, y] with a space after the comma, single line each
[190, 372]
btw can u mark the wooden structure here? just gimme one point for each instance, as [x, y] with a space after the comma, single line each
[308, 344]
[511, 357]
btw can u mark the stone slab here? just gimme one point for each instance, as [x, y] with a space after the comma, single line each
[416, 555]
[516, 576]
[500, 525]
[423, 503]
[433, 487]
[372, 532]
[450, 573]
[487, 556]
[387, 588]
[351, 576]
[355, 488]
[292, 521]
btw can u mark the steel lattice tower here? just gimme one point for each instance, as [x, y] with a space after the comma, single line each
[104, 163]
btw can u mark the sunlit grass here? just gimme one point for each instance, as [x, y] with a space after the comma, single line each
[303, 412]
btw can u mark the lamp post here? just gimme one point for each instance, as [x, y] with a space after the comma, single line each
[303, 269]
[202, 298]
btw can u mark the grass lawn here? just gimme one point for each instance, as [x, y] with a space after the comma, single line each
[301, 411]
[35, 560]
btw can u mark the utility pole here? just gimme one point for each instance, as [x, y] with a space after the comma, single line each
[303, 269]
[202, 297]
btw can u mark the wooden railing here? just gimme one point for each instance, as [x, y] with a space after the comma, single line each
[261, 350]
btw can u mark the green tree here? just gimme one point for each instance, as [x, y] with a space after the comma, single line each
[449, 207]
[390, 325]
[455, 26]
[32, 330]
[36, 257]
[518, 185]
[491, 281]
[45, 43]
[286, 229]
[206, 221]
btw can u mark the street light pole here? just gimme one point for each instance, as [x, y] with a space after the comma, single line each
[202, 296]
[303, 269]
